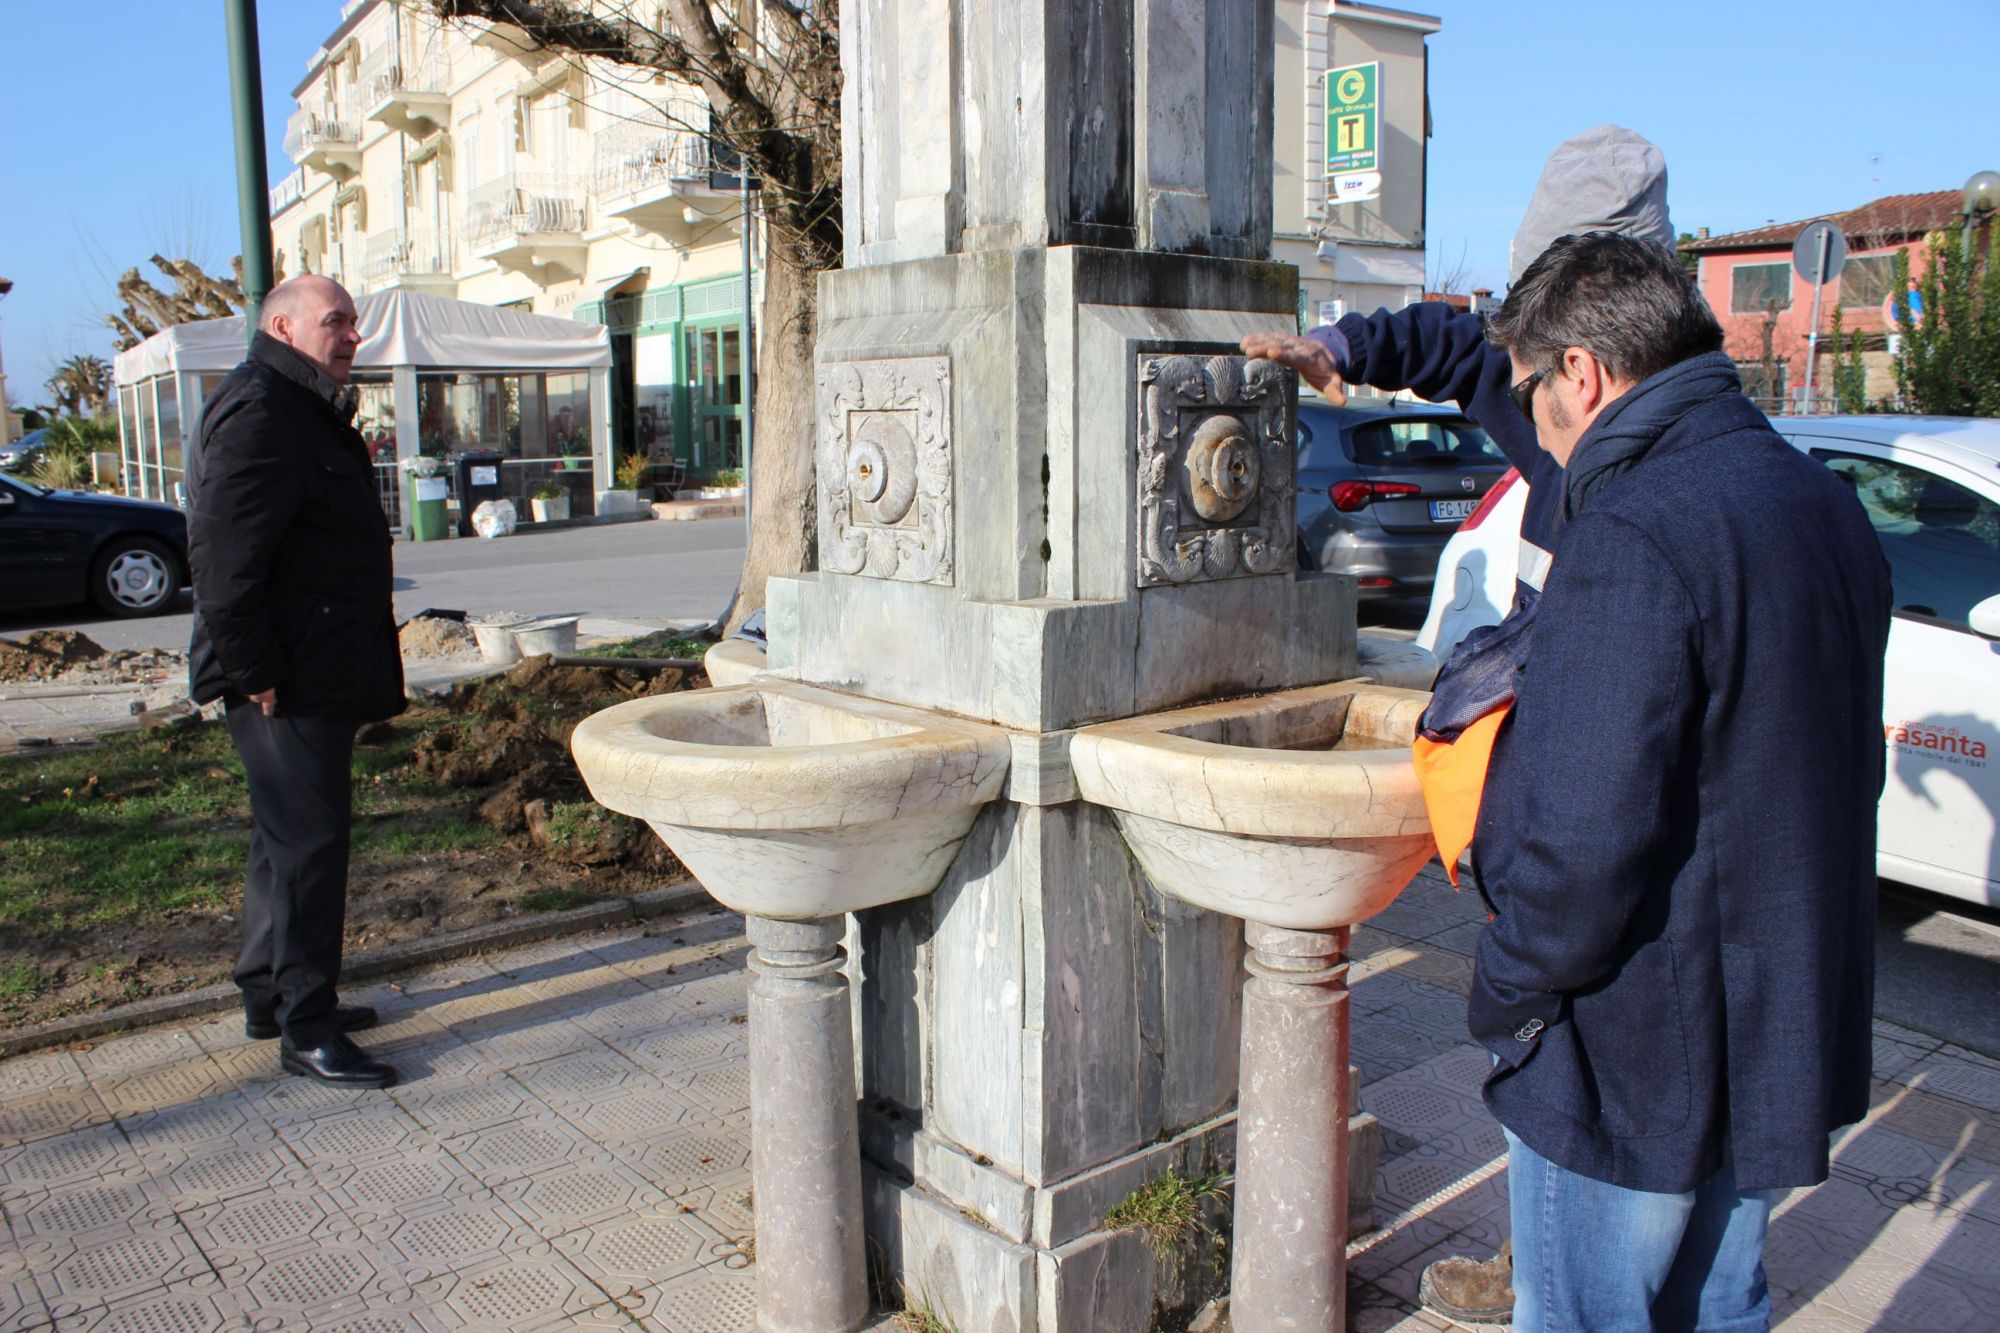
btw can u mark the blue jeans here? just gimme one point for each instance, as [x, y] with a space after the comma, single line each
[1596, 1258]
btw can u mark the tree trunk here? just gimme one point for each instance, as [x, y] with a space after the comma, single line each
[784, 537]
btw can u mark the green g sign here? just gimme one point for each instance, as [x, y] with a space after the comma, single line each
[1353, 118]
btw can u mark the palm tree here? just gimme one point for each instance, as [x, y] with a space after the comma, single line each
[82, 386]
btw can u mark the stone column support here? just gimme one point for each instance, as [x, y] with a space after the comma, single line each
[1290, 1266]
[805, 1149]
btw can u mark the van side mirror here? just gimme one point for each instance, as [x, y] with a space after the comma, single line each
[1985, 618]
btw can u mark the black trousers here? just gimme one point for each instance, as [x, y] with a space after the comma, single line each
[295, 897]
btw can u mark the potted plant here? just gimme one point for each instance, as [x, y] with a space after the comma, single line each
[625, 499]
[550, 503]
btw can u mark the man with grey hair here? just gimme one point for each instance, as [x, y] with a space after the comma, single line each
[294, 631]
[1677, 840]
[1607, 178]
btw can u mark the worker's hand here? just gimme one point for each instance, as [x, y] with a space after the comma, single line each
[1308, 356]
[266, 700]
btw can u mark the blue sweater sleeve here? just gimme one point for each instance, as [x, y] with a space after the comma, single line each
[1442, 354]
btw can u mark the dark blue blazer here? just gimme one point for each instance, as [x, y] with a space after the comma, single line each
[1678, 831]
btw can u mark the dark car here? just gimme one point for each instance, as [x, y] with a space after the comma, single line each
[1382, 486]
[23, 453]
[60, 547]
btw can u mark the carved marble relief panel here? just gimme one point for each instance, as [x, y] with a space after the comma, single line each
[884, 463]
[1217, 469]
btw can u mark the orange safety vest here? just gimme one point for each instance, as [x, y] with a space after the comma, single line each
[1453, 777]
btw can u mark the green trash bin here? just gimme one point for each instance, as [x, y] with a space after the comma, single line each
[424, 497]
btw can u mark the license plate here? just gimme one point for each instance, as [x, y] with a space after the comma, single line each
[1452, 511]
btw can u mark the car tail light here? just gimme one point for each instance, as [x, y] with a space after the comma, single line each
[1490, 499]
[1377, 582]
[1349, 496]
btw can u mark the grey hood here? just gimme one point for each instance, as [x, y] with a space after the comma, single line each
[1608, 178]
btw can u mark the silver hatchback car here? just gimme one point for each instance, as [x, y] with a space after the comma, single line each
[1383, 486]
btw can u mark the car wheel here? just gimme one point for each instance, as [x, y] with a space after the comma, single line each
[1306, 564]
[135, 576]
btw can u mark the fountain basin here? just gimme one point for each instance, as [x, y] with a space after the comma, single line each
[1298, 809]
[733, 662]
[792, 802]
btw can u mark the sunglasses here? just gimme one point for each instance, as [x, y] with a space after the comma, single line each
[1523, 395]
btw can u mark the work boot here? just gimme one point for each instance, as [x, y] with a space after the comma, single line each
[1472, 1291]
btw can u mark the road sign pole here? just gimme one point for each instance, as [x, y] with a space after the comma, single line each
[1812, 337]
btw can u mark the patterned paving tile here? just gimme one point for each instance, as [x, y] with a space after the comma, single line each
[1960, 1075]
[712, 1300]
[217, 1119]
[198, 1306]
[43, 1113]
[267, 1222]
[21, 1306]
[44, 1071]
[78, 1274]
[217, 1172]
[370, 1192]
[516, 1045]
[583, 1195]
[523, 1295]
[628, 1255]
[99, 1152]
[143, 1050]
[355, 1136]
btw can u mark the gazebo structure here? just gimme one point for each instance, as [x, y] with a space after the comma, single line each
[436, 377]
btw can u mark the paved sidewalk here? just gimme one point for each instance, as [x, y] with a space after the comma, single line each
[570, 1151]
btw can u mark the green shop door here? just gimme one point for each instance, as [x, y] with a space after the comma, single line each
[715, 395]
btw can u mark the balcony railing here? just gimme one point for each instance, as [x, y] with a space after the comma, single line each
[391, 254]
[325, 125]
[523, 204]
[629, 158]
[288, 191]
[384, 73]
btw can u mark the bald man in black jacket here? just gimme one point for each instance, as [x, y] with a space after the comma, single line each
[295, 632]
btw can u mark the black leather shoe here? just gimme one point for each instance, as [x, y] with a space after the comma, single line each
[337, 1061]
[346, 1017]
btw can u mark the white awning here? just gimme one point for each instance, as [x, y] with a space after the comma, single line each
[397, 329]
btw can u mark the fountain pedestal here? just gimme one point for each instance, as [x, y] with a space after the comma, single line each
[1291, 1146]
[806, 1171]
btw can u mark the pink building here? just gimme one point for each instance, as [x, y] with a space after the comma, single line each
[1766, 308]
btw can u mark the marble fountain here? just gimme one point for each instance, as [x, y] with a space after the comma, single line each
[1058, 725]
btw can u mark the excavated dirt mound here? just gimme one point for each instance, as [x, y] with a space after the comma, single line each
[45, 654]
[436, 637]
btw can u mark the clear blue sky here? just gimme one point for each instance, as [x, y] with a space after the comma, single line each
[115, 132]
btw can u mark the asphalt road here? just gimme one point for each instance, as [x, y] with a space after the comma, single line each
[647, 573]
[1937, 967]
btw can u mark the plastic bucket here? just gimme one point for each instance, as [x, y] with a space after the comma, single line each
[540, 637]
[496, 640]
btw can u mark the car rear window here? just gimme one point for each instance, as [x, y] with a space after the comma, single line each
[1421, 441]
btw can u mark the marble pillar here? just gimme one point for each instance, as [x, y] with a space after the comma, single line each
[806, 1170]
[1290, 1250]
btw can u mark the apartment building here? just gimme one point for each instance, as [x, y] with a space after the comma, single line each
[456, 160]
[1367, 252]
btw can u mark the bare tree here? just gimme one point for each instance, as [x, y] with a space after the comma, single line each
[195, 295]
[771, 72]
[1450, 279]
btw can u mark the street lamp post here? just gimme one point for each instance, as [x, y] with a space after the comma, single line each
[253, 196]
[1982, 196]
